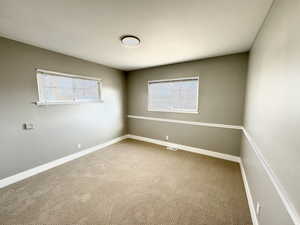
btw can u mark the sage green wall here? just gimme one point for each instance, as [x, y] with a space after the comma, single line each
[272, 112]
[221, 100]
[58, 128]
[210, 138]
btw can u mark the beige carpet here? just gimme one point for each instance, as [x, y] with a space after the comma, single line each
[131, 183]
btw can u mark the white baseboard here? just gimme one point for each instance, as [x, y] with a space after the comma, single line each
[31, 172]
[36, 170]
[187, 148]
[212, 154]
[249, 195]
[287, 202]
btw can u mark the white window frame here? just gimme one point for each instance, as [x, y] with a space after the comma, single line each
[170, 80]
[65, 102]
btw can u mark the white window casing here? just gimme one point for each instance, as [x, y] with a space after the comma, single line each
[61, 88]
[174, 95]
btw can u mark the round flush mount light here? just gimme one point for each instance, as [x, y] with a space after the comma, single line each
[130, 41]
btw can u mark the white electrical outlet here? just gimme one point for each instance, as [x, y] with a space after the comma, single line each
[172, 148]
[258, 208]
[79, 146]
[167, 138]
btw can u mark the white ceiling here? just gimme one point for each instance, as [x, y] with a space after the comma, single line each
[170, 30]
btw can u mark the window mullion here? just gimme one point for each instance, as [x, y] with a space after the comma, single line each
[74, 90]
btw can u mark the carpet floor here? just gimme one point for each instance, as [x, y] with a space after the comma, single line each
[131, 183]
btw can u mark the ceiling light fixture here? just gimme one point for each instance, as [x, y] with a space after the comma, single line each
[130, 41]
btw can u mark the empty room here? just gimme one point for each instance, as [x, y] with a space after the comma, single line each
[148, 112]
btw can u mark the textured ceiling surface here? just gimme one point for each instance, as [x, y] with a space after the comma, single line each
[170, 30]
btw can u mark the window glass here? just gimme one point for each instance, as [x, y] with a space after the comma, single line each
[56, 88]
[180, 95]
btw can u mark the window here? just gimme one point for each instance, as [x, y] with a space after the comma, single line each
[176, 95]
[58, 88]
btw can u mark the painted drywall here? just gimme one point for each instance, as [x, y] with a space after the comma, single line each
[210, 138]
[58, 128]
[273, 107]
[222, 82]
[262, 189]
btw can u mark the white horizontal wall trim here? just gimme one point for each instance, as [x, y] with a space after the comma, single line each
[277, 184]
[187, 122]
[249, 195]
[187, 148]
[31, 172]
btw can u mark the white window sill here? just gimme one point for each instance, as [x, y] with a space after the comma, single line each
[65, 103]
[174, 111]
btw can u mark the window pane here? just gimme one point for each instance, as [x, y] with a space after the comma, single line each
[86, 90]
[185, 95]
[160, 95]
[177, 95]
[58, 81]
[56, 88]
[58, 94]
